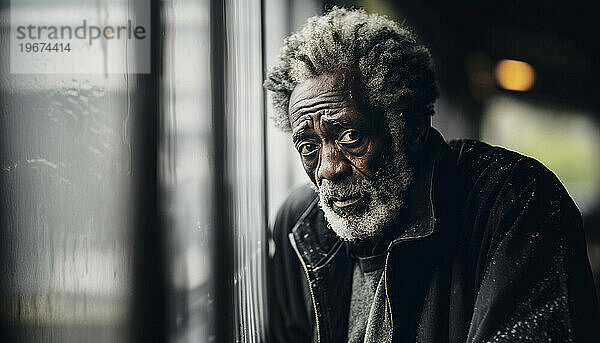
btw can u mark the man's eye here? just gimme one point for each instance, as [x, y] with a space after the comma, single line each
[350, 137]
[307, 149]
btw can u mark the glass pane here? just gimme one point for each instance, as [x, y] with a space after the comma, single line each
[66, 200]
[184, 157]
[246, 166]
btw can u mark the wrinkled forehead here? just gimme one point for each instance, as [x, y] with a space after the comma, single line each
[331, 87]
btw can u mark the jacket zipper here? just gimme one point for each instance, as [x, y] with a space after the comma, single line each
[312, 294]
[387, 297]
[385, 268]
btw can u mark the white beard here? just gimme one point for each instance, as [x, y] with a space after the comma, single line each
[385, 192]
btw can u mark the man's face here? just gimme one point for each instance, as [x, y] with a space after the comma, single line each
[360, 171]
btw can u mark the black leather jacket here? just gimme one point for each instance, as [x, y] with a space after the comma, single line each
[493, 251]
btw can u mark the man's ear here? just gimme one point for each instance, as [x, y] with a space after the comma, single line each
[418, 132]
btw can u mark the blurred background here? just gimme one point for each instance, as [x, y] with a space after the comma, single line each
[137, 207]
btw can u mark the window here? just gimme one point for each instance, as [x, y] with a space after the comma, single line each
[134, 205]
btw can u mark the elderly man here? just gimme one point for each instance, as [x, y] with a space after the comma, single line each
[404, 237]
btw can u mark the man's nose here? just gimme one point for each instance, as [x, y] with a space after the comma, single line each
[333, 165]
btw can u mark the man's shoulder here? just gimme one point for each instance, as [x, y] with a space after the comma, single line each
[504, 183]
[298, 204]
[481, 163]
[298, 201]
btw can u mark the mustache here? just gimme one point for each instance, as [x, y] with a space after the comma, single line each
[348, 187]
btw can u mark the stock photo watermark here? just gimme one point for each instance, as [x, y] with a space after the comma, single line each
[80, 37]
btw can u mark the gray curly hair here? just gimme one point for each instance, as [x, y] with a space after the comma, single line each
[397, 72]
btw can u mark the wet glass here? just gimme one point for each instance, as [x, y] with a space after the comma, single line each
[108, 202]
[185, 169]
[66, 226]
[246, 167]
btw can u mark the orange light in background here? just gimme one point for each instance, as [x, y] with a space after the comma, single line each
[515, 75]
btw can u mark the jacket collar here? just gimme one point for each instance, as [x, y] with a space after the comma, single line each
[419, 208]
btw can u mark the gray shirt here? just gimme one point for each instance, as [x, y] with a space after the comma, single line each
[369, 317]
